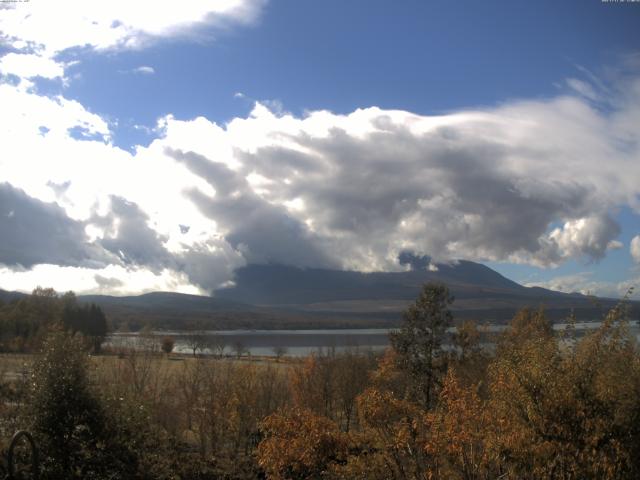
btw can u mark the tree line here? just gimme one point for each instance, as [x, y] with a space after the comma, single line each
[24, 321]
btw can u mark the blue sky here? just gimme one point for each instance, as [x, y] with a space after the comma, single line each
[425, 57]
[183, 141]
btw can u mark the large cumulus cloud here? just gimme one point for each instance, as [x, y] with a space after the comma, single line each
[261, 231]
[534, 182]
[529, 182]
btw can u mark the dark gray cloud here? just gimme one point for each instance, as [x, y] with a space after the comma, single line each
[445, 193]
[129, 237]
[261, 231]
[107, 282]
[33, 232]
[209, 264]
[415, 262]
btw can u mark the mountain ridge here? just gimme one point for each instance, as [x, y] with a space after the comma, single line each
[278, 296]
[283, 285]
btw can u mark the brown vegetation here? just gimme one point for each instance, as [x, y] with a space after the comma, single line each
[540, 406]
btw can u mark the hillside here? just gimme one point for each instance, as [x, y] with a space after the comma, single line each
[480, 292]
[276, 296]
[282, 285]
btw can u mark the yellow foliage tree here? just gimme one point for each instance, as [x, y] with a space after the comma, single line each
[566, 412]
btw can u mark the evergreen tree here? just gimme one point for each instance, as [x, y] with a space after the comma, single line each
[97, 328]
[67, 418]
[418, 343]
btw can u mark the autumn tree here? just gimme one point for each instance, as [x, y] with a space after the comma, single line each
[566, 412]
[167, 345]
[459, 432]
[466, 340]
[312, 384]
[394, 438]
[299, 444]
[329, 383]
[418, 342]
[468, 358]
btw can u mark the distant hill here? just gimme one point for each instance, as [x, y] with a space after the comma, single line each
[6, 296]
[169, 301]
[276, 296]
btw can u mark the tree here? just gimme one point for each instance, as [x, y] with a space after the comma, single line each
[299, 444]
[395, 436]
[566, 411]
[96, 328]
[418, 343]
[239, 347]
[167, 345]
[217, 345]
[68, 419]
[89, 320]
[280, 351]
[459, 431]
[196, 339]
[466, 340]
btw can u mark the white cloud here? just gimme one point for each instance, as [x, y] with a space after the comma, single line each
[583, 88]
[634, 248]
[30, 66]
[112, 280]
[591, 235]
[40, 31]
[531, 182]
[121, 24]
[144, 70]
[585, 284]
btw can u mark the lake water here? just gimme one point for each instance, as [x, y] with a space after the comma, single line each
[292, 342]
[266, 342]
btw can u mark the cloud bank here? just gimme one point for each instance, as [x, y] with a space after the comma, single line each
[534, 182]
[585, 284]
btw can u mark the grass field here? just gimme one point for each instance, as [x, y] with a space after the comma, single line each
[17, 366]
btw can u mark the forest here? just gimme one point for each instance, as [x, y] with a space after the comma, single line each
[537, 404]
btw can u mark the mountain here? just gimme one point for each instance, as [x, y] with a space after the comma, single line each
[283, 285]
[277, 296]
[480, 292]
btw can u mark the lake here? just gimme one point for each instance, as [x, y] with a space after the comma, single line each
[296, 343]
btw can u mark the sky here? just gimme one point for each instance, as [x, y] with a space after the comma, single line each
[163, 145]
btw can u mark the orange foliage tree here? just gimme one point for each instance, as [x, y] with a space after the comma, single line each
[300, 445]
